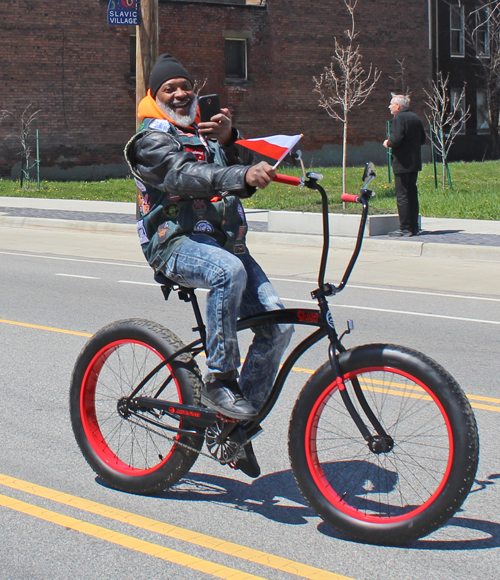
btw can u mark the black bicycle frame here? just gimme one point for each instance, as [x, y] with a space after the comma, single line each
[321, 318]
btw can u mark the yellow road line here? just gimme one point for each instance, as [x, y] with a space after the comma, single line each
[185, 560]
[296, 369]
[51, 329]
[145, 523]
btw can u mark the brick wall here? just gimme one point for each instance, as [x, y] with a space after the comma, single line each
[75, 68]
[66, 61]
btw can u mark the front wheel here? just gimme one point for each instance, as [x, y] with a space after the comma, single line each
[133, 451]
[384, 491]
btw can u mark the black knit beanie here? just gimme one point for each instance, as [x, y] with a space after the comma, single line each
[167, 67]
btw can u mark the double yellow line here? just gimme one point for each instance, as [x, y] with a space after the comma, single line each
[151, 525]
[476, 401]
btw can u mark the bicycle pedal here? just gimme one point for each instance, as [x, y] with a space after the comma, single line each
[226, 419]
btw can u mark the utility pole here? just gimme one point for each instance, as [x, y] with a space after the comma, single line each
[147, 41]
[146, 54]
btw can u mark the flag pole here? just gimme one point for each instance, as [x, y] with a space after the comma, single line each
[275, 166]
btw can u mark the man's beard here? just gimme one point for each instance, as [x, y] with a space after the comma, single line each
[180, 120]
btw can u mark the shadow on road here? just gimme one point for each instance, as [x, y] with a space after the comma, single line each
[277, 497]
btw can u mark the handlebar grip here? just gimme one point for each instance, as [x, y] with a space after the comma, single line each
[350, 198]
[288, 179]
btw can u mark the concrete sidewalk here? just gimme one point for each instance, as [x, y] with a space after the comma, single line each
[466, 239]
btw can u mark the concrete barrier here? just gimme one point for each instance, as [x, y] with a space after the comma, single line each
[340, 224]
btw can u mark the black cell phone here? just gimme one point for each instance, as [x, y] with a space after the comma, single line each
[209, 106]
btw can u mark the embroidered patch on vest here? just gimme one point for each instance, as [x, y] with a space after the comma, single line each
[198, 152]
[203, 227]
[160, 125]
[163, 231]
[199, 208]
[144, 204]
[139, 184]
[141, 230]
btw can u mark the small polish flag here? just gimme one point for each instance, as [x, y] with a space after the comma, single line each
[276, 146]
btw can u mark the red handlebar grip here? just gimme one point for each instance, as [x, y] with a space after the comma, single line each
[350, 198]
[288, 179]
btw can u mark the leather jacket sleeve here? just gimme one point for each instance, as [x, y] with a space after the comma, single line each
[158, 159]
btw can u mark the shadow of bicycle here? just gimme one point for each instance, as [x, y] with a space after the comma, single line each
[276, 497]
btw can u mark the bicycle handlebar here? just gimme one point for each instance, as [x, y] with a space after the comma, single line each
[348, 197]
[288, 179]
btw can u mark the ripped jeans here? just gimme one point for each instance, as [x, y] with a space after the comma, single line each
[238, 288]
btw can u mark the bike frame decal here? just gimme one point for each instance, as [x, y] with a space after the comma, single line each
[88, 411]
[320, 478]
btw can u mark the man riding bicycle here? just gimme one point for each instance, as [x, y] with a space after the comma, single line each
[192, 229]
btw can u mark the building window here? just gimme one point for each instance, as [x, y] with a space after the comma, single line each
[236, 58]
[459, 106]
[481, 33]
[457, 30]
[482, 111]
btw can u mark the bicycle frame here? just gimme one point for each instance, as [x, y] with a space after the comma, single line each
[321, 318]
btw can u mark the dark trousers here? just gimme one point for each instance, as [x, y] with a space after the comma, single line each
[407, 199]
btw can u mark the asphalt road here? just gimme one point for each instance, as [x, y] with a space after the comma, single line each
[59, 521]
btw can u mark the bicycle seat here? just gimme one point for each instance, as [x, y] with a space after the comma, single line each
[167, 285]
[164, 281]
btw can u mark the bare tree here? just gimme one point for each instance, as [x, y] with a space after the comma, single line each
[400, 77]
[23, 135]
[344, 83]
[446, 117]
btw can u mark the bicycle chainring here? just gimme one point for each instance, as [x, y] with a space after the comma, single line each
[224, 453]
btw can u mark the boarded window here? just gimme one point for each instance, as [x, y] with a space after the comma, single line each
[236, 58]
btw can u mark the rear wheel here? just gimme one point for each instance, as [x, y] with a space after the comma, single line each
[124, 448]
[394, 490]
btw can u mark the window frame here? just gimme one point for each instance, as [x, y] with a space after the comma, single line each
[244, 75]
[482, 27]
[457, 9]
[482, 113]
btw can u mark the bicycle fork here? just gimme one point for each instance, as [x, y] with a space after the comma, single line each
[379, 443]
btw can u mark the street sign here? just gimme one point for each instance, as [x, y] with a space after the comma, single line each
[125, 12]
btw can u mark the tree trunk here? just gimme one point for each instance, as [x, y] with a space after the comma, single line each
[344, 159]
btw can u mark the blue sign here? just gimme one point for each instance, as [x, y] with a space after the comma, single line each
[125, 12]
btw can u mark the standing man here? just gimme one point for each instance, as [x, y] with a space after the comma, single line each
[406, 139]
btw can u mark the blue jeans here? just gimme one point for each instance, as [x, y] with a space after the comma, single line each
[238, 288]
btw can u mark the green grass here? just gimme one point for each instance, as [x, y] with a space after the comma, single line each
[475, 193]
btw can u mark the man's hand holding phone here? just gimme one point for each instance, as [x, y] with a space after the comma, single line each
[215, 122]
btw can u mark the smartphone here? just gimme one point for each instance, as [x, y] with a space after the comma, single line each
[209, 106]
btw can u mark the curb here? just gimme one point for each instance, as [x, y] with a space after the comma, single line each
[49, 223]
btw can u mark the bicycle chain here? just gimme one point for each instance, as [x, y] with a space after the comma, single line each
[198, 451]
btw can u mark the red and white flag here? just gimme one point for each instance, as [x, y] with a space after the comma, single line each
[277, 146]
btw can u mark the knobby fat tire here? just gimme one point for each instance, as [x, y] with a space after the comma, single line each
[444, 402]
[188, 377]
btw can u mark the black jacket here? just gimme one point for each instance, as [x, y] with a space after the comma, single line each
[407, 137]
[187, 186]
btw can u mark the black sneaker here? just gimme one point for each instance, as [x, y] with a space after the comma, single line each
[247, 462]
[399, 233]
[226, 398]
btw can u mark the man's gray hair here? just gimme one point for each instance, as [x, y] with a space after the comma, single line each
[402, 100]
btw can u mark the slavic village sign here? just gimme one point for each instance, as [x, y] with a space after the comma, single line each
[124, 12]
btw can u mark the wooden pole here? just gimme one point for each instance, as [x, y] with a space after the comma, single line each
[147, 41]
[146, 45]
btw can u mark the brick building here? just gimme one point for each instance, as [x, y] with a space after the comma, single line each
[259, 55]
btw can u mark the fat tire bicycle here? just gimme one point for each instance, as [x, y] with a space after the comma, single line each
[382, 441]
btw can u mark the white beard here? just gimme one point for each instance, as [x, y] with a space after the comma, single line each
[181, 120]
